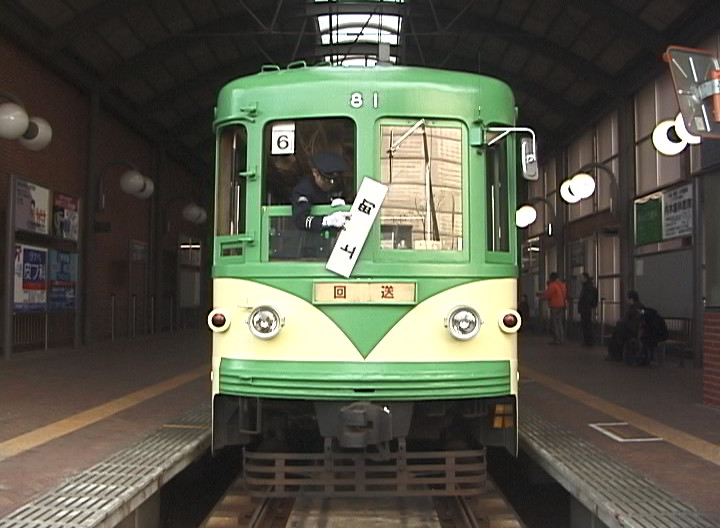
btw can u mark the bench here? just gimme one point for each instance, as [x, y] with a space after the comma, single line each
[680, 339]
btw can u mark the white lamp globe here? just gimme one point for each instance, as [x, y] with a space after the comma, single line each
[38, 134]
[132, 182]
[682, 131]
[147, 190]
[194, 213]
[13, 121]
[567, 194]
[582, 185]
[662, 142]
[525, 216]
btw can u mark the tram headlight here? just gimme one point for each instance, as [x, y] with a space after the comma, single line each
[463, 323]
[218, 320]
[264, 322]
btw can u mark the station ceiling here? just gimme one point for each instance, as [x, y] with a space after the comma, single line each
[160, 63]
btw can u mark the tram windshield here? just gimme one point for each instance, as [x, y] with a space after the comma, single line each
[421, 163]
[289, 147]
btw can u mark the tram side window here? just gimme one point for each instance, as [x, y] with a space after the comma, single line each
[289, 147]
[422, 166]
[231, 185]
[498, 234]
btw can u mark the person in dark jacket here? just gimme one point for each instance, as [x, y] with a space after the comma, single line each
[322, 186]
[586, 304]
[627, 329]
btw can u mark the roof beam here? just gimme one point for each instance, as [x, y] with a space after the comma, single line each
[631, 27]
[518, 83]
[536, 44]
[140, 64]
[14, 25]
[87, 20]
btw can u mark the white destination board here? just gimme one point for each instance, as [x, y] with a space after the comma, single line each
[352, 239]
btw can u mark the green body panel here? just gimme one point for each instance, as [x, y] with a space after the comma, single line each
[364, 381]
[471, 101]
[401, 91]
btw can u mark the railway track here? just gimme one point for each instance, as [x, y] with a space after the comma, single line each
[488, 509]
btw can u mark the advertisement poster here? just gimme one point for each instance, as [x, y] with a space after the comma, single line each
[30, 278]
[32, 204]
[66, 218]
[62, 280]
[678, 212]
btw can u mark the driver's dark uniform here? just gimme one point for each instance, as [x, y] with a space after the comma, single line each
[304, 196]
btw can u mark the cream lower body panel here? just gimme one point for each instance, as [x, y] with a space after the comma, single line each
[309, 335]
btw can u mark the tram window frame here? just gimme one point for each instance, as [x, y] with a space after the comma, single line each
[284, 241]
[414, 251]
[309, 137]
[231, 187]
[497, 190]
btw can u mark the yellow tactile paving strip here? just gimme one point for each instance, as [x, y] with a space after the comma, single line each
[42, 435]
[692, 444]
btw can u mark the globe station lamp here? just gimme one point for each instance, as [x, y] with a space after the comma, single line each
[32, 132]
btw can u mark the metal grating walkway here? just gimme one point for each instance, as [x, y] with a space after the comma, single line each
[106, 493]
[616, 495]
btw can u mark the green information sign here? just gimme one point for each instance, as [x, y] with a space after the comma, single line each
[648, 221]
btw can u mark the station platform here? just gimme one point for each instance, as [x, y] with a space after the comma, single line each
[63, 411]
[649, 419]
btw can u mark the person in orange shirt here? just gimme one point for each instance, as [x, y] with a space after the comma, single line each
[556, 296]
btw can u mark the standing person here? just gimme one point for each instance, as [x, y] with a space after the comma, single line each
[320, 187]
[586, 304]
[556, 296]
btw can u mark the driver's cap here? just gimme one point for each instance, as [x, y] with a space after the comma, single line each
[329, 162]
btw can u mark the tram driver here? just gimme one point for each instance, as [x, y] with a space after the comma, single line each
[322, 186]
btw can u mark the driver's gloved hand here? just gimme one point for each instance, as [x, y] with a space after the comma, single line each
[336, 219]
